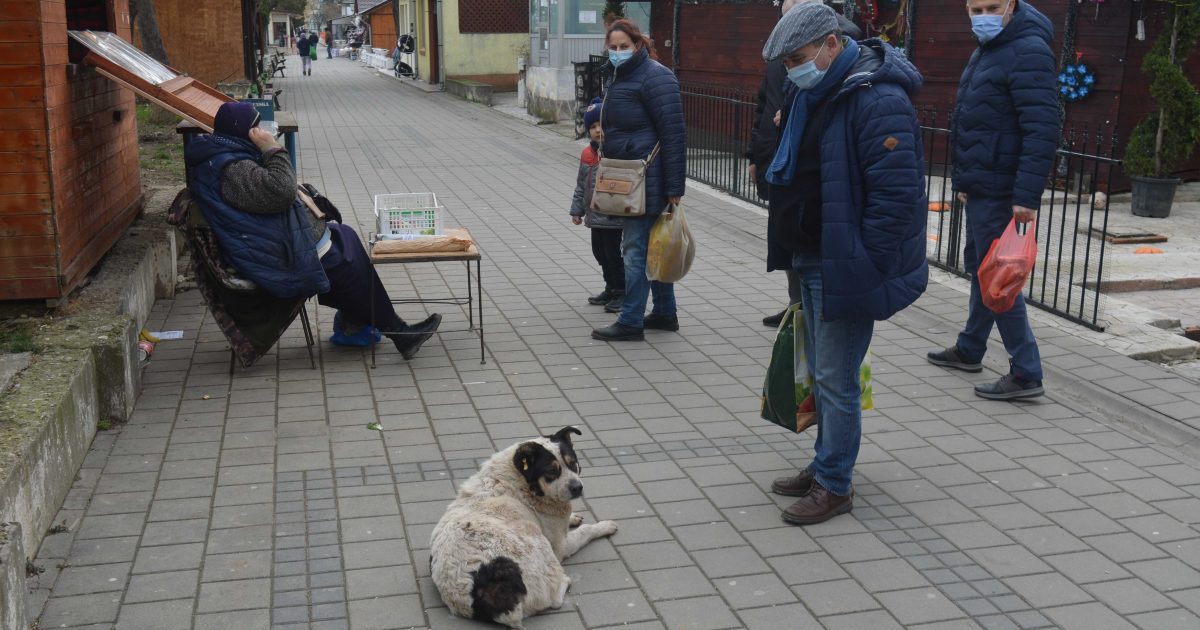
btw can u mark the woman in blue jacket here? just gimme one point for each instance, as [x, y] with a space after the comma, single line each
[643, 108]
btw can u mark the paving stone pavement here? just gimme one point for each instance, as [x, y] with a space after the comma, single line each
[263, 501]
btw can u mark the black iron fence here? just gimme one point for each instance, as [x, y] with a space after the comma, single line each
[1072, 222]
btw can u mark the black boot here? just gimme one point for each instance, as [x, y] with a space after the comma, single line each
[618, 332]
[602, 297]
[773, 321]
[409, 340]
[661, 322]
[615, 303]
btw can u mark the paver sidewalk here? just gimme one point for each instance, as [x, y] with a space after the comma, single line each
[263, 501]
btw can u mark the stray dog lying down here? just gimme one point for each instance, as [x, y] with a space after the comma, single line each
[496, 554]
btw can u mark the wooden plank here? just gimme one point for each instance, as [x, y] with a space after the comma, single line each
[28, 267]
[26, 225]
[11, 203]
[29, 288]
[19, 246]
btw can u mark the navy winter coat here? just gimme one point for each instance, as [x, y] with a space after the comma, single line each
[277, 251]
[1006, 120]
[643, 106]
[873, 203]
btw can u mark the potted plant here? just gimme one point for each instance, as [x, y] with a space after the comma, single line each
[1166, 138]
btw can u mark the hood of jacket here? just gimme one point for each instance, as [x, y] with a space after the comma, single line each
[206, 146]
[880, 62]
[1026, 22]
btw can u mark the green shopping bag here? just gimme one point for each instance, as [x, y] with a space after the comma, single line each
[787, 390]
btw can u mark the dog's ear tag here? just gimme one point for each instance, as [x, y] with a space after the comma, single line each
[524, 464]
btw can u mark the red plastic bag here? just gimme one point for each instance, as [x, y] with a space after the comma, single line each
[1006, 267]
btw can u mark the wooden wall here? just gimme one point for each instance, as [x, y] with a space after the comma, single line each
[203, 39]
[69, 181]
[383, 27]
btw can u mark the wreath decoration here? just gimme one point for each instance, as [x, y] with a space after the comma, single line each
[1075, 82]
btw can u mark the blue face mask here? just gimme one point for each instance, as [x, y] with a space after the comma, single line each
[806, 74]
[987, 27]
[618, 57]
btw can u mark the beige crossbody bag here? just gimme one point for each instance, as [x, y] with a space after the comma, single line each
[620, 188]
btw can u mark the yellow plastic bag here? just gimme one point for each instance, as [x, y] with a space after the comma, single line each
[672, 248]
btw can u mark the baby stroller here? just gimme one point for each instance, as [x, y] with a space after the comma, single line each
[404, 46]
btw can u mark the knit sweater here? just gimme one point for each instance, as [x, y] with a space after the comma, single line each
[269, 188]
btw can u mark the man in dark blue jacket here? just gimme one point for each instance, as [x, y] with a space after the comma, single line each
[1006, 131]
[848, 200]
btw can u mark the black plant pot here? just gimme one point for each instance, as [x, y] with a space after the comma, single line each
[1153, 196]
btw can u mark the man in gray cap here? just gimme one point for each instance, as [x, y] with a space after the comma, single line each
[764, 139]
[848, 201]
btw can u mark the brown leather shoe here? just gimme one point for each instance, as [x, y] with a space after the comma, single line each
[818, 506]
[796, 486]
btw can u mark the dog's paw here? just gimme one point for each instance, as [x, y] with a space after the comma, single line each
[576, 520]
[606, 528]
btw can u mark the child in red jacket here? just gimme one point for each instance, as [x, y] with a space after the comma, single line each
[606, 230]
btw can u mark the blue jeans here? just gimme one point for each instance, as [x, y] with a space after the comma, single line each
[634, 241]
[986, 220]
[835, 351]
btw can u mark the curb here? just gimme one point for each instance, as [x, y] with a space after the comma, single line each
[13, 615]
[56, 403]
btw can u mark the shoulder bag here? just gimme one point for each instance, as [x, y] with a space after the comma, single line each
[620, 188]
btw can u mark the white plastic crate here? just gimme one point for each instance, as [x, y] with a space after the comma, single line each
[408, 215]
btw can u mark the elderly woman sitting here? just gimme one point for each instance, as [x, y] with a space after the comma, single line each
[246, 188]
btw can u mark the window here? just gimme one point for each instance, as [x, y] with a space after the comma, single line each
[85, 15]
[586, 17]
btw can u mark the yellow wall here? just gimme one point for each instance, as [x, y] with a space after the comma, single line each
[478, 53]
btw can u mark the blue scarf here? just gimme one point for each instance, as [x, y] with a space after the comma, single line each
[783, 167]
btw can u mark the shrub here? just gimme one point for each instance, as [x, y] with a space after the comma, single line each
[1166, 138]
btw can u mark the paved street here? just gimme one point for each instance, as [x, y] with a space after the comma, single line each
[264, 501]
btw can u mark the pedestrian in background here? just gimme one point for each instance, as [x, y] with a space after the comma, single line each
[1006, 132]
[606, 230]
[305, 60]
[764, 139]
[312, 49]
[328, 43]
[847, 183]
[643, 108]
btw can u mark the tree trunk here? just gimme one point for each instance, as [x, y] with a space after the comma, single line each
[147, 26]
[1162, 112]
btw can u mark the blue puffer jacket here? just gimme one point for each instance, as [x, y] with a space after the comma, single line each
[873, 203]
[1006, 122]
[643, 106]
[276, 251]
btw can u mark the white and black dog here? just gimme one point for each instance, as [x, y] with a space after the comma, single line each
[496, 554]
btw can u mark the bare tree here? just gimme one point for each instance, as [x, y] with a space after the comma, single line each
[147, 25]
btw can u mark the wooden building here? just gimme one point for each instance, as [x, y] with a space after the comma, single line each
[719, 42]
[204, 39]
[69, 181]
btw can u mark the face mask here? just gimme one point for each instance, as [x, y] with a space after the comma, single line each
[618, 57]
[806, 74]
[987, 27]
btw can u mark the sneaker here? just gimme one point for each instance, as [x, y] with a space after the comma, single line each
[655, 321]
[795, 486]
[616, 303]
[1010, 387]
[618, 332]
[951, 358]
[602, 297]
[411, 339]
[818, 506]
[773, 321]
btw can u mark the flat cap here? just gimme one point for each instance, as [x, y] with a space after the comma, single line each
[803, 25]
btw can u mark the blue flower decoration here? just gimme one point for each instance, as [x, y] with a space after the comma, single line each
[1075, 81]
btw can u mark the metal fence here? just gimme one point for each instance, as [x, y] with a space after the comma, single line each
[1072, 223]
